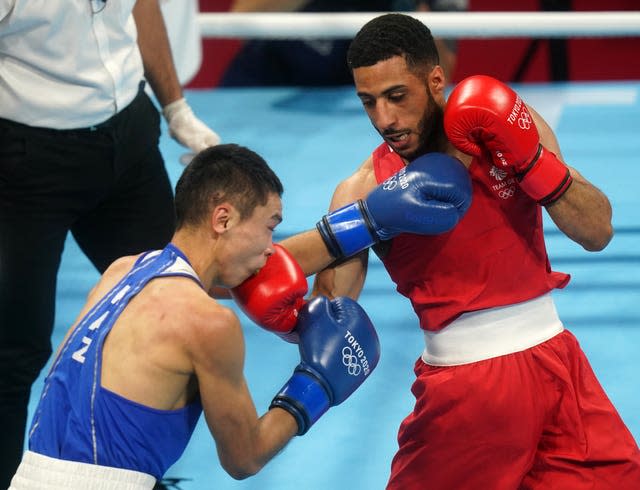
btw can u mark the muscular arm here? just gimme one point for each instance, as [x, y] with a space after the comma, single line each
[309, 250]
[153, 42]
[244, 441]
[347, 278]
[343, 279]
[583, 213]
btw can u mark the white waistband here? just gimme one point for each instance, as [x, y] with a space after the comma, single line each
[493, 332]
[39, 472]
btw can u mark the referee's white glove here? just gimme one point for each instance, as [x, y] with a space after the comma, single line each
[186, 128]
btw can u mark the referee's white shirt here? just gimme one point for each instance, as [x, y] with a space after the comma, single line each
[67, 63]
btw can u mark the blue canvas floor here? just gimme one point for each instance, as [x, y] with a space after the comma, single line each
[315, 138]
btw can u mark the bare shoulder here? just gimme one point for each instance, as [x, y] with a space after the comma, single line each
[118, 269]
[122, 265]
[356, 186]
[111, 276]
[108, 280]
[213, 333]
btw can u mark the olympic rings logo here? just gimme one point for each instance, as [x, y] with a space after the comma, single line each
[351, 361]
[390, 184]
[524, 122]
[507, 193]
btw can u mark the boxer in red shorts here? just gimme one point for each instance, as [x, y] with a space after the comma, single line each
[505, 397]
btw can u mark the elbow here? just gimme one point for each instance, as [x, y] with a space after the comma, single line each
[598, 241]
[238, 474]
[595, 246]
[241, 470]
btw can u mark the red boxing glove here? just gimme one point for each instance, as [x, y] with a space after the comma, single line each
[483, 113]
[274, 295]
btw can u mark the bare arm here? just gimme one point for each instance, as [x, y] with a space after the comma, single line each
[309, 250]
[245, 442]
[583, 213]
[154, 47]
[346, 278]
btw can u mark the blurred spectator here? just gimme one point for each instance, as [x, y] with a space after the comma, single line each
[447, 48]
[316, 62]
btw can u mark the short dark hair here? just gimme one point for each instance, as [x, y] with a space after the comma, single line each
[221, 173]
[392, 35]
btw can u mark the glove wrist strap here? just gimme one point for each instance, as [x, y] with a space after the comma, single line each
[304, 397]
[546, 178]
[347, 231]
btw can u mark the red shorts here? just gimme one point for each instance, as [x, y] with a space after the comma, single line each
[536, 419]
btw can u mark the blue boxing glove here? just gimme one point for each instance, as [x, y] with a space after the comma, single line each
[427, 197]
[339, 349]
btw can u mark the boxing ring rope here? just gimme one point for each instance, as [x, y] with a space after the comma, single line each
[305, 25]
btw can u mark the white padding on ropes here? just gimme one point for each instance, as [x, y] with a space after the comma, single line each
[298, 25]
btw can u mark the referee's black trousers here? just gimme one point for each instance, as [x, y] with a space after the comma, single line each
[109, 187]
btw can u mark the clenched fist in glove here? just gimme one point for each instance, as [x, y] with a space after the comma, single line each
[275, 294]
[339, 349]
[186, 128]
[427, 197]
[483, 113]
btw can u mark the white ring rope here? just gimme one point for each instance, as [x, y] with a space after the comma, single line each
[306, 25]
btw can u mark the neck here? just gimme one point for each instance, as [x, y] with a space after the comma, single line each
[200, 252]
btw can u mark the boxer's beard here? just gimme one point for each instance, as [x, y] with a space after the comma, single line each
[431, 130]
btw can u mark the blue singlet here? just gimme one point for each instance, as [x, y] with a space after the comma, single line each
[78, 420]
